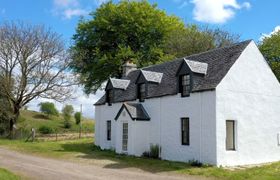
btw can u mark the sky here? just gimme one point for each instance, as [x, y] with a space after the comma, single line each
[251, 19]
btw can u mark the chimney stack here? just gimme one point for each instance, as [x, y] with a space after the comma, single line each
[128, 67]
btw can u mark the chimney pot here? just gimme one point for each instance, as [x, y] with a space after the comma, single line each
[128, 67]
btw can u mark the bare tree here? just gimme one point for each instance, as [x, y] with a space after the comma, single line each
[33, 63]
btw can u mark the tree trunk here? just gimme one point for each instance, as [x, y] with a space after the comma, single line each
[13, 121]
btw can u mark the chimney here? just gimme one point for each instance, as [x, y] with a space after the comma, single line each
[128, 67]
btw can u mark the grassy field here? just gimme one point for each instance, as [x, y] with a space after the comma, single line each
[29, 119]
[83, 150]
[7, 175]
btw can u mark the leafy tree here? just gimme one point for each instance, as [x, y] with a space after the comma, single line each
[48, 108]
[135, 31]
[67, 112]
[33, 62]
[270, 48]
[194, 39]
[128, 30]
[78, 117]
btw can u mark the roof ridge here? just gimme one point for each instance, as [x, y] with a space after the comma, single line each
[220, 48]
[211, 50]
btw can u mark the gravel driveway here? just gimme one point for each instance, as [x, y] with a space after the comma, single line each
[34, 167]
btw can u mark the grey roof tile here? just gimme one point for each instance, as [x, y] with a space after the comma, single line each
[219, 62]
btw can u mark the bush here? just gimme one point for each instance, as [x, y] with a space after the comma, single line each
[67, 112]
[46, 130]
[67, 124]
[78, 116]
[153, 153]
[48, 108]
[195, 163]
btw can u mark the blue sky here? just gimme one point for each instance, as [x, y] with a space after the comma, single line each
[249, 18]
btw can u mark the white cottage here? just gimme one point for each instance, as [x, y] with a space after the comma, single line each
[220, 107]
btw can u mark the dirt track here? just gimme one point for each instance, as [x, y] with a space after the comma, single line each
[34, 167]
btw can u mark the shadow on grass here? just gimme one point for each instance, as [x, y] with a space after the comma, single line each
[119, 161]
[41, 116]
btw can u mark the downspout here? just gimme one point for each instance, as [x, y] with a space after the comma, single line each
[160, 128]
[200, 127]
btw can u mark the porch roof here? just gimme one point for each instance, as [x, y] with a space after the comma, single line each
[136, 111]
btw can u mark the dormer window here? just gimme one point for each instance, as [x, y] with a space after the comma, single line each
[110, 96]
[141, 92]
[185, 85]
[114, 84]
[186, 74]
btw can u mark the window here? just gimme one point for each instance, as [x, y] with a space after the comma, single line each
[185, 85]
[125, 137]
[141, 92]
[109, 130]
[230, 135]
[110, 96]
[185, 130]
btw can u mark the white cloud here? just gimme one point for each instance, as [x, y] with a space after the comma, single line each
[67, 9]
[65, 3]
[264, 35]
[216, 11]
[69, 13]
[246, 5]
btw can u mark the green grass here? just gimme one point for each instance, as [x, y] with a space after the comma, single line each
[7, 175]
[30, 119]
[84, 150]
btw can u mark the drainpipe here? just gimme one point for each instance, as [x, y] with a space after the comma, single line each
[160, 127]
[200, 117]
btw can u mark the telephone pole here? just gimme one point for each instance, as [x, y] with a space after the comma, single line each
[80, 131]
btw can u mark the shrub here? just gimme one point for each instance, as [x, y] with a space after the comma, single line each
[146, 154]
[77, 116]
[67, 124]
[46, 129]
[195, 163]
[67, 112]
[153, 153]
[48, 108]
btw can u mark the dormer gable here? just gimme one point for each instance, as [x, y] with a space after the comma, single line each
[112, 85]
[143, 80]
[149, 77]
[189, 66]
[117, 84]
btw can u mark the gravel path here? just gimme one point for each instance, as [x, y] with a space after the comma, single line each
[34, 167]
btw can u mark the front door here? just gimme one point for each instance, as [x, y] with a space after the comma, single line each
[124, 137]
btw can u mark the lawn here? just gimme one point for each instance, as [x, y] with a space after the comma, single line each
[83, 150]
[7, 175]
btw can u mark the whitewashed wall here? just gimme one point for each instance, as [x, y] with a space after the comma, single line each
[164, 128]
[249, 94]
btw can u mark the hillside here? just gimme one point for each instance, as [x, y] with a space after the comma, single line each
[31, 119]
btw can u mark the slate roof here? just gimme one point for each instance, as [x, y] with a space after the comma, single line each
[136, 111]
[219, 62]
[197, 67]
[151, 76]
[119, 83]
